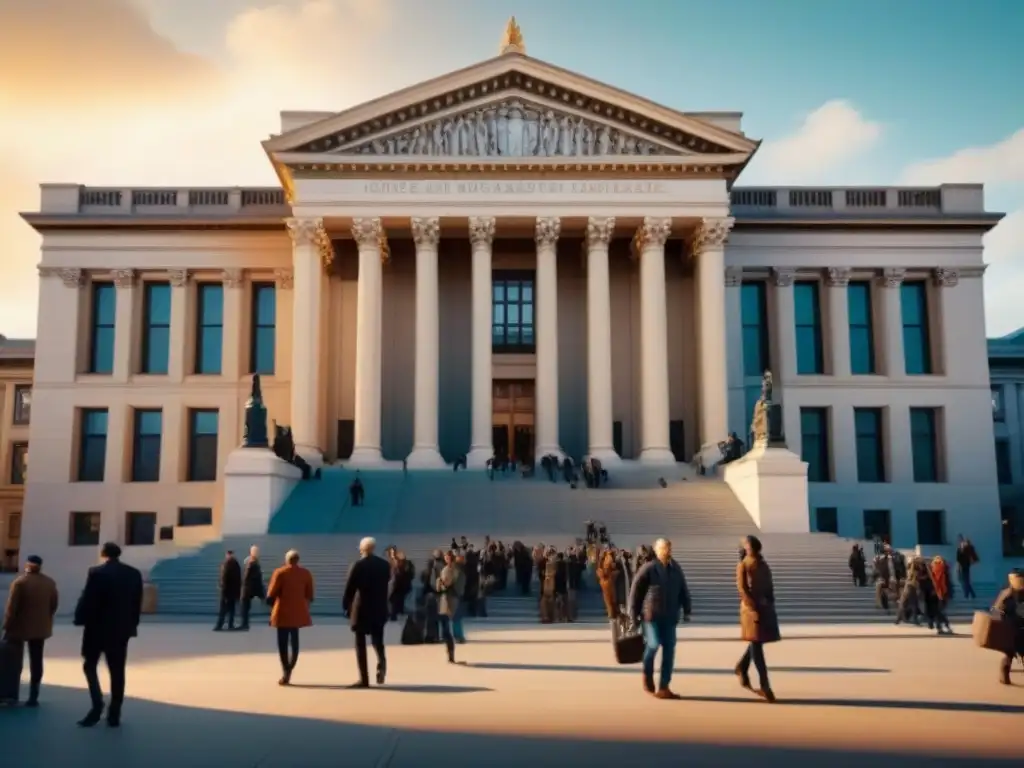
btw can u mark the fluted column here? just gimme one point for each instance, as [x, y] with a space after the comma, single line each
[709, 256]
[481, 238]
[599, 342]
[649, 249]
[895, 364]
[839, 320]
[127, 329]
[784, 337]
[373, 250]
[426, 233]
[546, 234]
[307, 236]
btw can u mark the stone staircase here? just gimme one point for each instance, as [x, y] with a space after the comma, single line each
[422, 511]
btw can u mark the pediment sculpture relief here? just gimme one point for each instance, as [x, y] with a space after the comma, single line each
[513, 128]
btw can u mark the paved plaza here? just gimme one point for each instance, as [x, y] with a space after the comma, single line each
[532, 697]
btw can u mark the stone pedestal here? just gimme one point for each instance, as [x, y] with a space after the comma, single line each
[256, 483]
[771, 483]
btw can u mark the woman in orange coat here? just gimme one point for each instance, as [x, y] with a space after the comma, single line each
[290, 593]
[939, 572]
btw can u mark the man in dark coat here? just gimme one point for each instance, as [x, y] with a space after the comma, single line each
[230, 591]
[366, 605]
[28, 622]
[108, 612]
[252, 585]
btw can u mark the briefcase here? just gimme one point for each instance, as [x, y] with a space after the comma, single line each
[629, 646]
[11, 655]
[993, 632]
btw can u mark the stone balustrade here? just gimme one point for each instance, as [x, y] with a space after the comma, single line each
[948, 200]
[105, 201]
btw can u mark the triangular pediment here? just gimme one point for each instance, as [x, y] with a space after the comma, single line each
[513, 106]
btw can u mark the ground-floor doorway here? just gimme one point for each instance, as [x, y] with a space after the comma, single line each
[513, 419]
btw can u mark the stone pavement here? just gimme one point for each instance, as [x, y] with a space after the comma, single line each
[529, 697]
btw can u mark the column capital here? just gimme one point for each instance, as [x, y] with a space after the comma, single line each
[426, 232]
[125, 278]
[481, 230]
[547, 230]
[369, 233]
[733, 276]
[946, 278]
[178, 277]
[233, 278]
[783, 276]
[711, 234]
[600, 230]
[285, 279]
[70, 276]
[311, 231]
[892, 277]
[838, 277]
[653, 233]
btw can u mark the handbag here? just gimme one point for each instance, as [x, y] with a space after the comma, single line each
[628, 645]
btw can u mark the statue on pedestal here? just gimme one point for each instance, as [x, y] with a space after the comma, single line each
[766, 386]
[255, 432]
[766, 426]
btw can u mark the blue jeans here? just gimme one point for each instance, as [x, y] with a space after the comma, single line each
[457, 630]
[660, 633]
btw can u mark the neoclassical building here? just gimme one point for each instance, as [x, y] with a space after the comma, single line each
[510, 258]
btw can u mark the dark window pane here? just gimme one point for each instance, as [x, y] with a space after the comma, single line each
[870, 456]
[189, 517]
[754, 317]
[210, 329]
[146, 446]
[19, 464]
[499, 292]
[92, 451]
[102, 351]
[211, 304]
[931, 527]
[997, 403]
[265, 304]
[84, 529]
[916, 340]
[209, 351]
[809, 357]
[499, 314]
[878, 523]
[104, 312]
[527, 291]
[156, 328]
[157, 351]
[264, 318]
[140, 529]
[815, 444]
[924, 443]
[104, 304]
[1004, 470]
[512, 314]
[862, 342]
[513, 292]
[826, 520]
[202, 464]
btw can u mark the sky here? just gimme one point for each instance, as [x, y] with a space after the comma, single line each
[181, 92]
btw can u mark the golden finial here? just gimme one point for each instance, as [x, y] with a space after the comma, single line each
[513, 40]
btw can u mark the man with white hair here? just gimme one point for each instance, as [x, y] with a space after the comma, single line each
[658, 595]
[252, 585]
[366, 605]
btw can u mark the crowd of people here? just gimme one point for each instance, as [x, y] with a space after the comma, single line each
[645, 594]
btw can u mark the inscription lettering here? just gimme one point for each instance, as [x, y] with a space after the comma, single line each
[398, 188]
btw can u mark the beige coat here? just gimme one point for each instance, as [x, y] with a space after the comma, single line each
[30, 607]
[758, 621]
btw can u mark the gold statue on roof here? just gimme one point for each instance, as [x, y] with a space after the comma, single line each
[513, 40]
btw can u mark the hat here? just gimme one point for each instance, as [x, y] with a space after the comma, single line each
[35, 560]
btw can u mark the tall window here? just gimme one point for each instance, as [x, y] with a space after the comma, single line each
[754, 312]
[814, 447]
[156, 327]
[807, 303]
[826, 520]
[202, 446]
[264, 321]
[878, 523]
[22, 404]
[1004, 470]
[92, 449]
[209, 327]
[924, 439]
[101, 341]
[148, 428]
[998, 406]
[931, 527]
[512, 312]
[862, 329]
[870, 450]
[19, 463]
[140, 529]
[917, 351]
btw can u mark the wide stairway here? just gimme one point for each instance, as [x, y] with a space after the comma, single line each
[422, 511]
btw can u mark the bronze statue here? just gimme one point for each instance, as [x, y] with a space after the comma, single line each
[255, 433]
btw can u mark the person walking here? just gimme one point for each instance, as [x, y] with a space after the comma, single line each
[230, 588]
[659, 594]
[108, 612]
[252, 585]
[366, 604]
[759, 624]
[290, 593]
[1008, 607]
[449, 591]
[28, 622]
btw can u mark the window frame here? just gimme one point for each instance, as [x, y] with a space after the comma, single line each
[195, 473]
[879, 446]
[865, 326]
[22, 415]
[19, 448]
[129, 531]
[255, 327]
[181, 519]
[150, 325]
[203, 324]
[93, 541]
[83, 441]
[521, 280]
[139, 439]
[920, 326]
[813, 289]
[96, 327]
[933, 417]
[824, 457]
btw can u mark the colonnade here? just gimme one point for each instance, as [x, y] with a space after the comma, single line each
[707, 241]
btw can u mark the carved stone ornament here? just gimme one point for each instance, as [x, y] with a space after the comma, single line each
[124, 278]
[369, 233]
[733, 276]
[600, 231]
[784, 277]
[653, 233]
[72, 277]
[233, 278]
[947, 278]
[838, 277]
[481, 230]
[892, 277]
[513, 41]
[426, 232]
[547, 231]
[512, 128]
[311, 231]
[178, 277]
[711, 234]
[285, 278]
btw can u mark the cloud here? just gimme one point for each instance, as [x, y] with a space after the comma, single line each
[999, 163]
[829, 137]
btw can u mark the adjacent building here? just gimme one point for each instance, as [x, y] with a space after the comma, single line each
[1006, 363]
[16, 356]
[512, 259]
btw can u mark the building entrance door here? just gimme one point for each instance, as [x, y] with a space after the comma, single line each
[513, 419]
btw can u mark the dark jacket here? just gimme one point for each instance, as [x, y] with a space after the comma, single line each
[366, 594]
[110, 606]
[659, 593]
[252, 581]
[30, 607]
[758, 621]
[230, 579]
